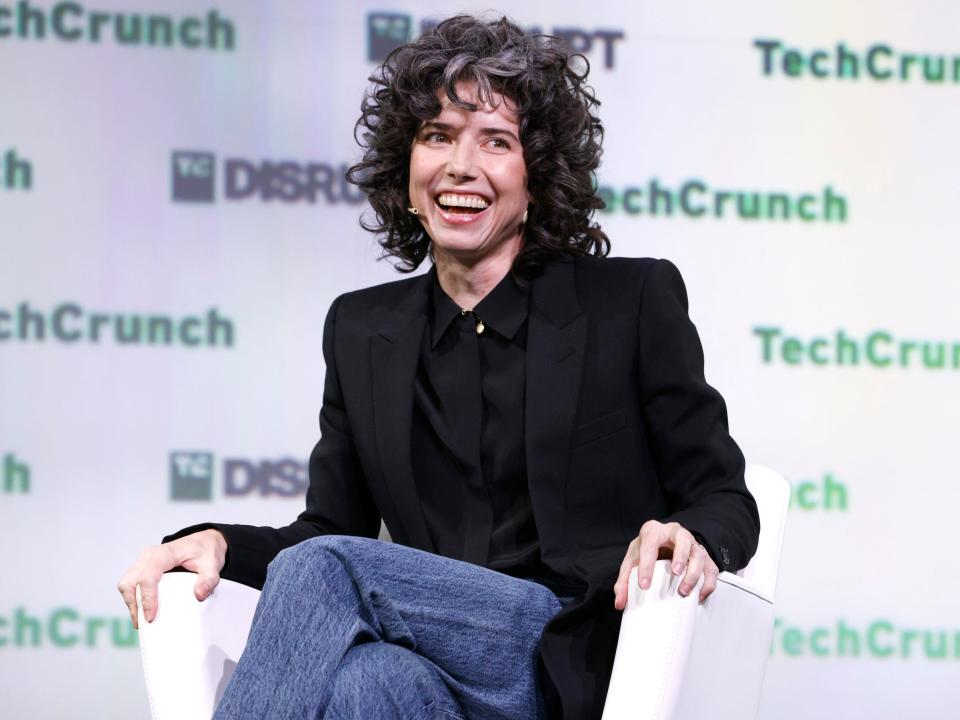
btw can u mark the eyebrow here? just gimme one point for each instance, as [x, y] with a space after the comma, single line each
[446, 127]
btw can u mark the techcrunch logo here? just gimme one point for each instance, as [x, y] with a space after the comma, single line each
[879, 639]
[824, 494]
[65, 627]
[191, 476]
[16, 476]
[72, 22]
[696, 199]
[15, 172]
[194, 180]
[386, 31]
[879, 349]
[879, 62]
[70, 323]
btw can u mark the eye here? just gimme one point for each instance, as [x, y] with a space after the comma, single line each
[435, 137]
[498, 143]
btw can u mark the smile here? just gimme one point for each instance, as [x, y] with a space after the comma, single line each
[458, 209]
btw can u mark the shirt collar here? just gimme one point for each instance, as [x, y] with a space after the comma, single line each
[503, 310]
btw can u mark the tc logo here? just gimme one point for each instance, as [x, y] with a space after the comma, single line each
[193, 174]
[191, 475]
[385, 33]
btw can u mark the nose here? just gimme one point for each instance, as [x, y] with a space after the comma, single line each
[461, 163]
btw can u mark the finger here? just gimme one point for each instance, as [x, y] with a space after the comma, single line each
[620, 588]
[128, 585]
[159, 561]
[149, 596]
[683, 545]
[207, 580]
[651, 538]
[129, 593]
[710, 575]
[694, 570]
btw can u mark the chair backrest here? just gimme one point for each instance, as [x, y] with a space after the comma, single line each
[772, 494]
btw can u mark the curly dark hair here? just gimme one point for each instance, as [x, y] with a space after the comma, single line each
[560, 133]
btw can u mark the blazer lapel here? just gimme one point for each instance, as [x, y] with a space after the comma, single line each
[395, 352]
[556, 338]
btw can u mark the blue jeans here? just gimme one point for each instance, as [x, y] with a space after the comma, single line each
[348, 627]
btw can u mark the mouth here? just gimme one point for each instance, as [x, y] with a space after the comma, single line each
[458, 208]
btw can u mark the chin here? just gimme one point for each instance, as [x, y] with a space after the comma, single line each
[462, 249]
[466, 245]
[458, 242]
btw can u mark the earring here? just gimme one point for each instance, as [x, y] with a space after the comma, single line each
[413, 211]
[524, 220]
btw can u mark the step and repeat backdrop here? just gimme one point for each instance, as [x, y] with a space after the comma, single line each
[174, 223]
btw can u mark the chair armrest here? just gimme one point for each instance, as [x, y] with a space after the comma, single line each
[190, 650]
[678, 659]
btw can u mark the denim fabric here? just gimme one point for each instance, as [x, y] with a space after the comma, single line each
[381, 680]
[348, 627]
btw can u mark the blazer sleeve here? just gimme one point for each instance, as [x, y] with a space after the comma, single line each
[699, 465]
[338, 499]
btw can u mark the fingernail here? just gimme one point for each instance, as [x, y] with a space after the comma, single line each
[645, 583]
[677, 568]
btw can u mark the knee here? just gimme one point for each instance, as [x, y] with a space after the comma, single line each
[309, 555]
[326, 550]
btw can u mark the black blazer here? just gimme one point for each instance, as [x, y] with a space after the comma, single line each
[621, 427]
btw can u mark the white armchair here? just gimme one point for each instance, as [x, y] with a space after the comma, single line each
[676, 659]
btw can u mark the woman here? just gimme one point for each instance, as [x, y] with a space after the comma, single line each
[529, 419]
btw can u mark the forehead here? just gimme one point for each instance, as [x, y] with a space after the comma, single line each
[501, 108]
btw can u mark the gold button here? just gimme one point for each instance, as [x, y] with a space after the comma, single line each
[479, 327]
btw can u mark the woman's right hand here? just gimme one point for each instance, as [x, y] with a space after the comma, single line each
[202, 552]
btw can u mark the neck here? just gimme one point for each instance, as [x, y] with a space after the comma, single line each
[467, 281]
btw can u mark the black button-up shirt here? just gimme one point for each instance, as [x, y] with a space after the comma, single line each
[467, 435]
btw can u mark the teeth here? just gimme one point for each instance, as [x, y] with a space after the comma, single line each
[470, 201]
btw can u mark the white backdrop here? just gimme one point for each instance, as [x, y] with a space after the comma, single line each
[97, 435]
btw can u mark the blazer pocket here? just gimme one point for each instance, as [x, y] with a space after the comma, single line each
[596, 429]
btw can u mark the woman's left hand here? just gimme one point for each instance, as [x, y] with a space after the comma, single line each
[666, 541]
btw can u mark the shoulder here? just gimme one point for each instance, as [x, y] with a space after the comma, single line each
[621, 276]
[385, 296]
[620, 269]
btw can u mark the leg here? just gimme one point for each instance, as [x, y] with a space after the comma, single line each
[388, 682]
[479, 628]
